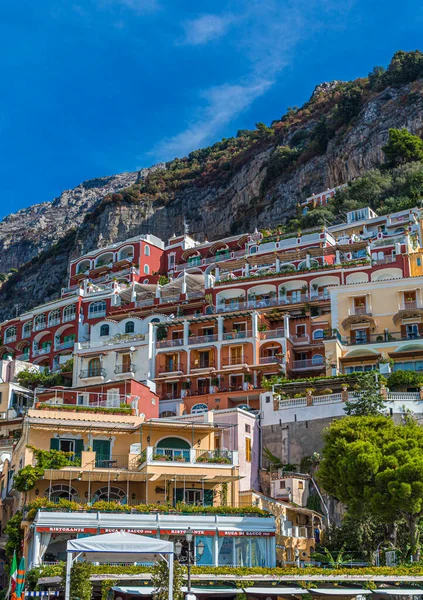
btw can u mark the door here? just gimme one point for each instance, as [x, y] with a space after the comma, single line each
[102, 449]
[126, 363]
[412, 332]
[205, 360]
[235, 355]
[193, 497]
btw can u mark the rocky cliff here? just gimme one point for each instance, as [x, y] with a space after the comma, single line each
[253, 180]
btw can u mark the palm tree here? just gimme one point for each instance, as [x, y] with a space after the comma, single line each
[329, 558]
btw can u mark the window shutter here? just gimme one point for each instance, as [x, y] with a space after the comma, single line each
[54, 444]
[79, 446]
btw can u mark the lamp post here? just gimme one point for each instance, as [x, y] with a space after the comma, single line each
[190, 557]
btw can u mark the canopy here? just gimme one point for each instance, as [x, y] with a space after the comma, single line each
[274, 591]
[338, 591]
[400, 592]
[148, 590]
[120, 547]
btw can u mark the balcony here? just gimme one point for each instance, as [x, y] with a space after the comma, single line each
[202, 365]
[53, 322]
[40, 326]
[26, 333]
[190, 456]
[41, 351]
[98, 314]
[380, 338]
[69, 317]
[10, 339]
[272, 334]
[309, 363]
[271, 360]
[92, 373]
[410, 304]
[172, 368]
[360, 310]
[169, 299]
[233, 361]
[125, 369]
[202, 339]
[263, 303]
[299, 340]
[232, 307]
[23, 357]
[170, 343]
[64, 345]
[146, 302]
[237, 335]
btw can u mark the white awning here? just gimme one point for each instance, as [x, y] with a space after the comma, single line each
[338, 591]
[148, 590]
[119, 547]
[400, 592]
[274, 591]
[145, 590]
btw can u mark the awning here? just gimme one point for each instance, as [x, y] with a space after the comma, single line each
[338, 591]
[274, 591]
[210, 591]
[145, 590]
[400, 592]
[44, 593]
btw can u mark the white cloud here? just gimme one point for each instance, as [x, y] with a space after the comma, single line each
[205, 29]
[224, 102]
[139, 7]
[266, 34]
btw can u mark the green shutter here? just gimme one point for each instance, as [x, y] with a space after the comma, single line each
[208, 497]
[54, 444]
[79, 446]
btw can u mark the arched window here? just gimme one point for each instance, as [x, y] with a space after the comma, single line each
[39, 322]
[129, 327]
[167, 413]
[97, 309]
[26, 330]
[199, 408]
[253, 249]
[110, 493]
[173, 448]
[69, 313]
[60, 490]
[318, 334]
[155, 320]
[54, 317]
[147, 250]
[317, 359]
[104, 330]
[94, 367]
[10, 334]
[146, 269]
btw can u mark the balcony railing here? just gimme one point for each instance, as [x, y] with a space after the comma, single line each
[171, 455]
[410, 304]
[169, 299]
[146, 302]
[10, 338]
[216, 456]
[172, 368]
[380, 338]
[237, 335]
[202, 364]
[270, 360]
[94, 372]
[41, 351]
[23, 357]
[65, 345]
[40, 326]
[170, 343]
[53, 322]
[191, 455]
[202, 339]
[98, 314]
[69, 317]
[105, 461]
[308, 364]
[272, 334]
[26, 333]
[234, 360]
[300, 339]
[125, 369]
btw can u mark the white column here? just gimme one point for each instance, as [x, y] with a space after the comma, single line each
[277, 264]
[254, 323]
[158, 291]
[152, 350]
[133, 292]
[217, 273]
[68, 574]
[220, 328]
[247, 269]
[186, 332]
[216, 550]
[170, 563]
[308, 261]
[286, 325]
[337, 257]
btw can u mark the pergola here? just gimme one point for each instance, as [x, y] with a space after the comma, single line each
[118, 547]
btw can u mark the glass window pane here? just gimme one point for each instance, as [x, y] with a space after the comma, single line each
[207, 558]
[225, 556]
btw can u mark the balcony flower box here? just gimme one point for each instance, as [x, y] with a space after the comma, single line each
[161, 457]
[221, 460]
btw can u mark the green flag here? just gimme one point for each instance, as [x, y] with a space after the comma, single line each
[20, 581]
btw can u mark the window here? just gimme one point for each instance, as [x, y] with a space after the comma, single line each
[97, 309]
[167, 413]
[54, 317]
[129, 327]
[199, 408]
[146, 269]
[317, 359]
[267, 399]
[361, 336]
[104, 330]
[318, 334]
[147, 250]
[10, 335]
[247, 428]
[419, 262]
[301, 330]
[94, 367]
[300, 485]
[39, 322]
[248, 449]
[69, 313]
[27, 328]
[282, 484]
[82, 400]
[171, 261]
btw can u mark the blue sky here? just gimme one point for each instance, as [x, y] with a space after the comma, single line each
[97, 87]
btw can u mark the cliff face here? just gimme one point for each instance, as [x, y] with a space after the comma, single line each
[215, 209]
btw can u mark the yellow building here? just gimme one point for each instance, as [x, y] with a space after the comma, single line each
[376, 322]
[297, 529]
[119, 457]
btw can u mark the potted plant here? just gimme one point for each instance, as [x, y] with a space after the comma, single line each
[186, 385]
[161, 457]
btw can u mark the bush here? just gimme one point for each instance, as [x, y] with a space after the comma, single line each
[402, 147]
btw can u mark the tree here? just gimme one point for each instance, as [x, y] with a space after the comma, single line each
[350, 104]
[368, 400]
[372, 464]
[401, 380]
[402, 147]
[333, 560]
[80, 582]
[160, 580]
[359, 535]
[14, 535]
